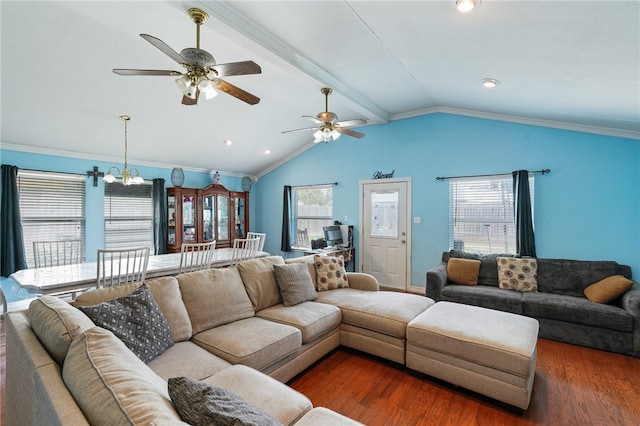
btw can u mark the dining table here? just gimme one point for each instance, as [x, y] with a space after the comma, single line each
[82, 276]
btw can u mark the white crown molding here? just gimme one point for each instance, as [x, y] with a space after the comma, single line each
[605, 131]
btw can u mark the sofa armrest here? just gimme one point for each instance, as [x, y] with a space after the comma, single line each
[436, 280]
[362, 281]
[631, 303]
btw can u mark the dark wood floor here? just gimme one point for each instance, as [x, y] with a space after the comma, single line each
[573, 386]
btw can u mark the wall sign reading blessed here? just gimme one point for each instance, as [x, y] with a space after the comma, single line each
[380, 175]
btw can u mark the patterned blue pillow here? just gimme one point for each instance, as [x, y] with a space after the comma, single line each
[135, 319]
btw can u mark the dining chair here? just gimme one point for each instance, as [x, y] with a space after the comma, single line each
[261, 235]
[57, 253]
[244, 249]
[196, 256]
[116, 267]
[302, 239]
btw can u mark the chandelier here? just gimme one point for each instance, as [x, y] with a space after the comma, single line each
[129, 177]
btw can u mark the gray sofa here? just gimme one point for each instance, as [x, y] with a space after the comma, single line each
[560, 306]
[230, 329]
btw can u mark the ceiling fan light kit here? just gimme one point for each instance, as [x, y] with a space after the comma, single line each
[328, 127]
[202, 73]
[129, 177]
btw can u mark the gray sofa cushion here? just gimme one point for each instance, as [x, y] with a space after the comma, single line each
[571, 277]
[576, 310]
[484, 296]
[312, 319]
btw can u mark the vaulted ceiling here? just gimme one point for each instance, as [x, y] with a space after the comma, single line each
[563, 64]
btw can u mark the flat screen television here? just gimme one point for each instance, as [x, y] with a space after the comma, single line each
[332, 235]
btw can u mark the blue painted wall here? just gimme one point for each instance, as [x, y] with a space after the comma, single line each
[588, 207]
[94, 207]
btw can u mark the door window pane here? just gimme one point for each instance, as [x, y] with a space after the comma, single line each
[384, 214]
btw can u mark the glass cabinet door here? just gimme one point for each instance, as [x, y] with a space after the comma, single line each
[239, 216]
[207, 218]
[189, 218]
[171, 214]
[223, 217]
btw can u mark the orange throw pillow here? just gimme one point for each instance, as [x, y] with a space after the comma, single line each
[604, 291]
[463, 271]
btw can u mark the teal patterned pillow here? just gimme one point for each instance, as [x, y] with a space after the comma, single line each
[135, 319]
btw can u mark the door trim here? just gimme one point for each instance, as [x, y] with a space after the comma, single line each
[361, 184]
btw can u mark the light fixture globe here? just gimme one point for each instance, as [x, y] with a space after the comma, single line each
[467, 5]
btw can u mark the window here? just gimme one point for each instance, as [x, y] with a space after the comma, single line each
[128, 216]
[481, 214]
[51, 207]
[312, 209]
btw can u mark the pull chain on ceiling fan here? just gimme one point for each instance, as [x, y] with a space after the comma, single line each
[203, 74]
[329, 128]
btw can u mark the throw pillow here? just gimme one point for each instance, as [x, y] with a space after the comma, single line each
[604, 291]
[135, 319]
[200, 403]
[519, 274]
[330, 272]
[463, 271]
[295, 283]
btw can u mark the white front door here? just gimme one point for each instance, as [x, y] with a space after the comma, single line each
[384, 235]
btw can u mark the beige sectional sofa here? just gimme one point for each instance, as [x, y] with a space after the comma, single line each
[230, 328]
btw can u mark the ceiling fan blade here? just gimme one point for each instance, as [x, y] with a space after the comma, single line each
[164, 48]
[121, 71]
[351, 123]
[300, 130]
[237, 68]
[235, 91]
[191, 101]
[313, 119]
[350, 132]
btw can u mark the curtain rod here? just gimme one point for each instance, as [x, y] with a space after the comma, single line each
[46, 171]
[543, 171]
[313, 184]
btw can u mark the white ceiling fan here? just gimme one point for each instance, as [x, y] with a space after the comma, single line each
[202, 73]
[328, 127]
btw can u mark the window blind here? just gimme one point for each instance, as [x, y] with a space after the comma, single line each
[128, 215]
[481, 216]
[52, 207]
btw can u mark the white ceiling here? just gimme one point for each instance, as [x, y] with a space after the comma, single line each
[563, 63]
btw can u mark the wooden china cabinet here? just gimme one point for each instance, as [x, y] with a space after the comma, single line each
[206, 214]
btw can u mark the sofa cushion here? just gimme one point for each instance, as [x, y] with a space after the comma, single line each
[577, 310]
[204, 404]
[463, 271]
[112, 385]
[386, 312]
[604, 291]
[279, 400]
[311, 266]
[214, 297]
[187, 359]
[518, 274]
[484, 296]
[255, 342]
[571, 277]
[295, 283]
[260, 281]
[135, 319]
[312, 319]
[56, 323]
[166, 292]
[330, 272]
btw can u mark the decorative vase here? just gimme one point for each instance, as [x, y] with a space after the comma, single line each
[217, 178]
[177, 176]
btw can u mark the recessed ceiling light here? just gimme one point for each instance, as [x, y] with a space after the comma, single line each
[467, 5]
[267, 151]
[227, 142]
[490, 82]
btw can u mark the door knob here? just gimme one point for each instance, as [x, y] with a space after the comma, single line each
[403, 241]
